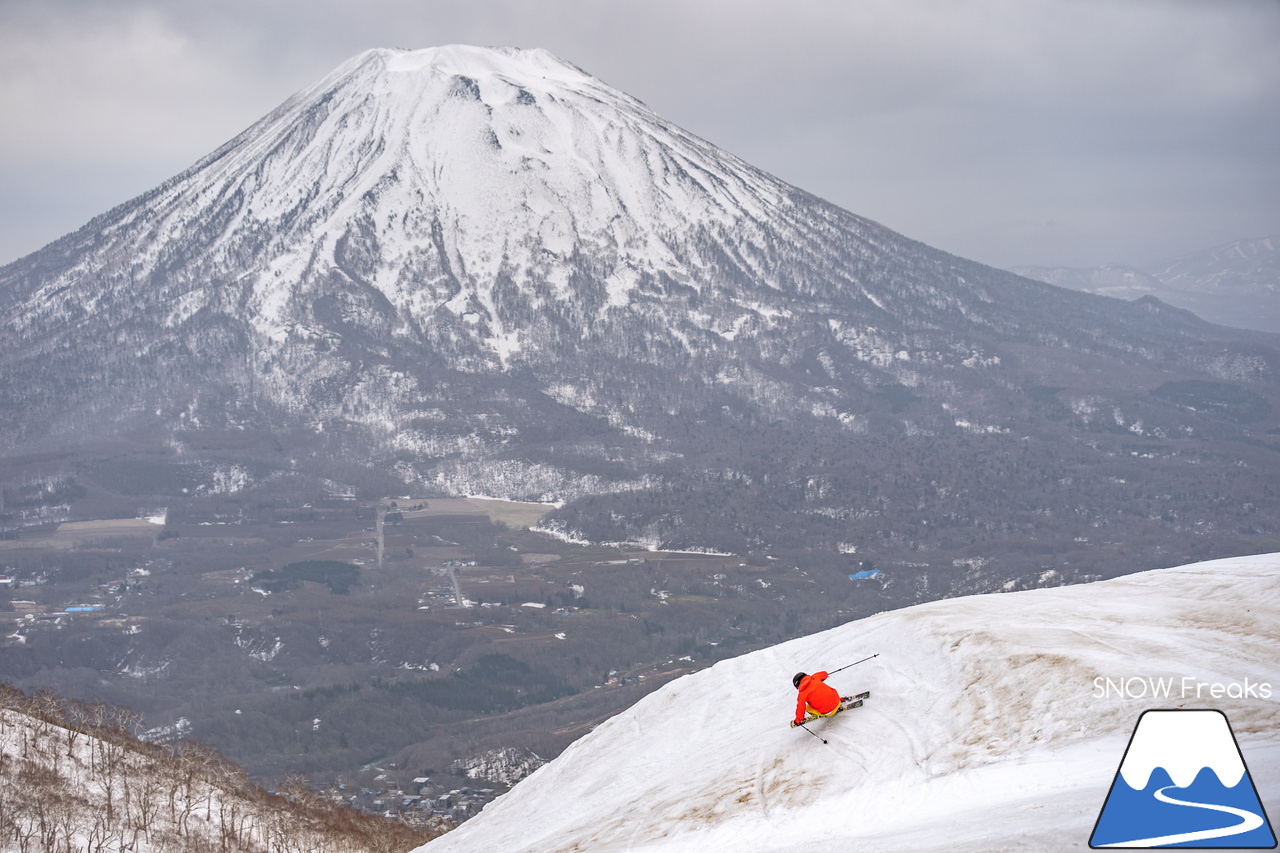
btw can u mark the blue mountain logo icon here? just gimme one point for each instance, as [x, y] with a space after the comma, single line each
[1183, 783]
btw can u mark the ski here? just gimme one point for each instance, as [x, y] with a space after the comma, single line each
[846, 703]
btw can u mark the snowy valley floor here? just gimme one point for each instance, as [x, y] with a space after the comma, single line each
[985, 731]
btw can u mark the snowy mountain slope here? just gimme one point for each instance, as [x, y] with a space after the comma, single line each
[1245, 265]
[1237, 284]
[422, 177]
[985, 731]
[483, 271]
[491, 210]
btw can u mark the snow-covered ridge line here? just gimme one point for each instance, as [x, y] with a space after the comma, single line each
[982, 731]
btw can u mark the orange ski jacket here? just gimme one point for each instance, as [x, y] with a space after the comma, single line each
[815, 693]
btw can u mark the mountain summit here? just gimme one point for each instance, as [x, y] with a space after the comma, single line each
[457, 196]
[485, 271]
[471, 199]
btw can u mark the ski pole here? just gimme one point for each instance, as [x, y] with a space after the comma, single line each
[815, 734]
[855, 663]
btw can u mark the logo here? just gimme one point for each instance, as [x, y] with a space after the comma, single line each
[1148, 687]
[1183, 783]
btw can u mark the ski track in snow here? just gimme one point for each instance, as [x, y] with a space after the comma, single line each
[982, 732]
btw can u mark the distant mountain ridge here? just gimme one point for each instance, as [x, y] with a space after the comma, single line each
[483, 271]
[1237, 284]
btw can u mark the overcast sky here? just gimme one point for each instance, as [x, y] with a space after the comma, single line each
[1052, 132]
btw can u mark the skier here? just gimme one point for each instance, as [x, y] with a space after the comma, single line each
[815, 695]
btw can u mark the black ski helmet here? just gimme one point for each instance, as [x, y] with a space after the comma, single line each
[797, 678]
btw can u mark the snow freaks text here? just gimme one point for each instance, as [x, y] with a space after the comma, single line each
[1186, 687]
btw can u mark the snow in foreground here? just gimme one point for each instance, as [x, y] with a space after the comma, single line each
[986, 729]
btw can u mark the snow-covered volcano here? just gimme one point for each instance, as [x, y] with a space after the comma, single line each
[481, 202]
[484, 271]
[492, 211]
[989, 727]
[448, 185]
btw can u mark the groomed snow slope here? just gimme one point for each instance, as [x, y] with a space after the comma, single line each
[984, 731]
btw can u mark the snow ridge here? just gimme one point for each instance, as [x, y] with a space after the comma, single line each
[983, 730]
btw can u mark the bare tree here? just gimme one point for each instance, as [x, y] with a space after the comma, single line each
[100, 790]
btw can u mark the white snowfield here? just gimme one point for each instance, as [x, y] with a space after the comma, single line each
[985, 730]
